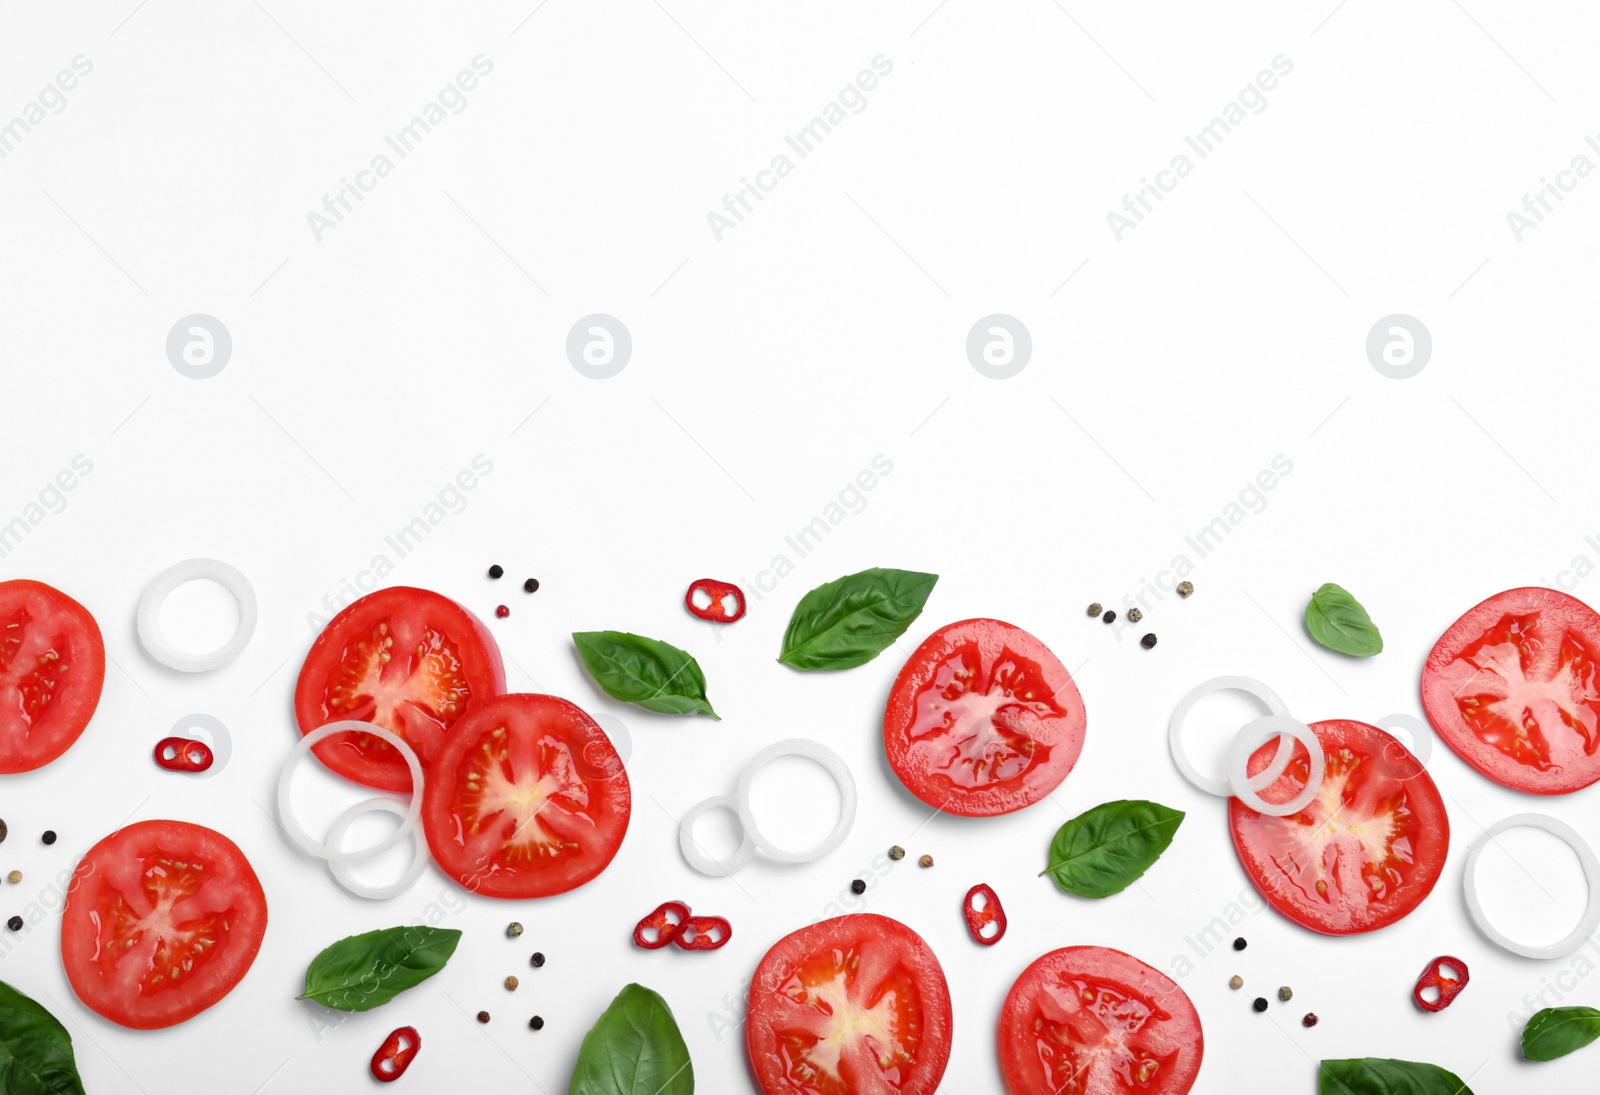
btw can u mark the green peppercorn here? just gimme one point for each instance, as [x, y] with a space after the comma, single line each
[1095, 609]
[1185, 588]
[1135, 615]
[1286, 994]
[897, 852]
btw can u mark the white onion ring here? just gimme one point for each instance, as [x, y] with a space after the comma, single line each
[1221, 787]
[341, 868]
[832, 763]
[1591, 874]
[695, 857]
[302, 747]
[154, 640]
[1251, 736]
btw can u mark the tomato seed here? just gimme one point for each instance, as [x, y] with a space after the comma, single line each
[1239, 944]
[14, 877]
[1135, 615]
[1109, 617]
[1185, 588]
[858, 887]
[1236, 982]
[1148, 641]
[513, 930]
[537, 960]
[502, 611]
[537, 1022]
[49, 836]
[531, 586]
[511, 984]
[1095, 609]
[897, 852]
[496, 571]
[1260, 1004]
[925, 861]
[1286, 994]
[483, 1016]
[15, 923]
[1310, 1020]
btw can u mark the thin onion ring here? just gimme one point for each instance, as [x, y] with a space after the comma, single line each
[316, 848]
[1591, 874]
[1251, 736]
[1221, 787]
[341, 868]
[696, 857]
[155, 641]
[832, 763]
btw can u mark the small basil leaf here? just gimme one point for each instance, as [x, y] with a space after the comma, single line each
[1337, 621]
[35, 1049]
[363, 971]
[634, 1049]
[1105, 850]
[851, 620]
[1556, 1032]
[655, 675]
[1377, 1076]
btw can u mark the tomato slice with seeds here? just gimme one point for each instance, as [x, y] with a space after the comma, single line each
[52, 667]
[405, 659]
[1095, 1021]
[1512, 687]
[1368, 848]
[983, 720]
[162, 920]
[526, 798]
[853, 1005]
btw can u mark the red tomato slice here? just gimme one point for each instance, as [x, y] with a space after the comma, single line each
[1095, 1021]
[983, 720]
[1365, 852]
[1512, 688]
[526, 798]
[856, 1005]
[406, 659]
[162, 919]
[52, 666]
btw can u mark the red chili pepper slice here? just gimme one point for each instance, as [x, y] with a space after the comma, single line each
[1434, 978]
[979, 919]
[717, 611]
[703, 933]
[395, 1055]
[666, 921]
[187, 755]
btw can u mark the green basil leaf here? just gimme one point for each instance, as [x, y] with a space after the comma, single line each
[1105, 850]
[1377, 1076]
[655, 675]
[1556, 1032]
[851, 620]
[35, 1049]
[1337, 621]
[634, 1049]
[363, 971]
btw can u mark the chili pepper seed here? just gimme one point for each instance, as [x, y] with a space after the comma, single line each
[925, 861]
[537, 960]
[513, 930]
[483, 1016]
[531, 586]
[897, 852]
[49, 836]
[502, 611]
[14, 877]
[1310, 1020]
[1286, 994]
[511, 984]
[1239, 944]
[1135, 615]
[15, 923]
[1149, 641]
[1236, 982]
[537, 1022]
[1260, 1004]
[1109, 617]
[1095, 609]
[1185, 588]
[858, 887]
[496, 571]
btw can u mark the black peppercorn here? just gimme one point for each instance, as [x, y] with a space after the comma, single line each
[1239, 944]
[858, 887]
[537, 1022]
[1260, 1004]
[496, 571]
[531, 586]
[1109, 617]
[1148, 641]
[15, 923]
[49, 836]
[537, 960]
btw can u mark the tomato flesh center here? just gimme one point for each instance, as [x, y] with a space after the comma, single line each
[847, 1015]
[520, 799]
[153, 934]
[1525, 669]
[30, 666]
[1092, 1038]
[983, 731]
[404, 677]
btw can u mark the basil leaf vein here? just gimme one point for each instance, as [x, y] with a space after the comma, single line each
[36, 1055]
[1556, 1032]
[1105, 850]
[634, 1048]
[851, 620]
[1379, 1076]
[362, 971]
[634, 669]
[1337, 621]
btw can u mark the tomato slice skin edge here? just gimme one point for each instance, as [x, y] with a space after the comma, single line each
[69, 696]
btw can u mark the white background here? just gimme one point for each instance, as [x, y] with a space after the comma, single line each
[770, 368]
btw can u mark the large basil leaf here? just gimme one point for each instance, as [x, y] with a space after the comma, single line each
[1337, 621]
[35, 1049]
[1556, 1032]
[851, 620]
[634, 1049]
[1105, 850]
[363, 971]
[655, 675]
[1377, 1076]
